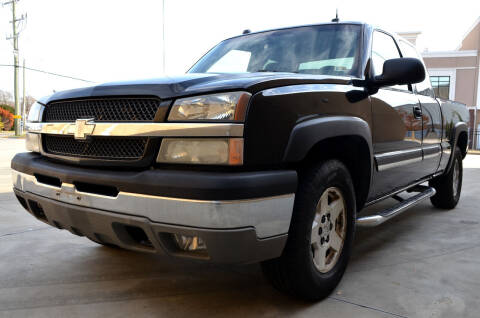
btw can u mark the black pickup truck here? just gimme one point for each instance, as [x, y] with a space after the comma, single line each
[267, 150]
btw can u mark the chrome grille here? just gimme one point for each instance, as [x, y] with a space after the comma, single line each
[103, 109]
[106, 148]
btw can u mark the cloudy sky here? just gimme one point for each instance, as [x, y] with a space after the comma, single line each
[110, 40]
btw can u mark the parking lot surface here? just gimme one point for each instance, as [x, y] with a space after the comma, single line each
[424, 263]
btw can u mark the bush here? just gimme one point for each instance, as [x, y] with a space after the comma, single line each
[6, 118]
[8, 107]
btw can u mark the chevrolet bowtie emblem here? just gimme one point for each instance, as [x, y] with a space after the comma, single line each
[83, 128]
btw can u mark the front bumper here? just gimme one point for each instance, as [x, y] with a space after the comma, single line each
[250, 228]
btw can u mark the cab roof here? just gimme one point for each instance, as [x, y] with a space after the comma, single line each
[301, 26]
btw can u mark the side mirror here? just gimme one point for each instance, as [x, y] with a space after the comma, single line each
[400, 71]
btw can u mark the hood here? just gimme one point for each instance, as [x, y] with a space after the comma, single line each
[193, 84]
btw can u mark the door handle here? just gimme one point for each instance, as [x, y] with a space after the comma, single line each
[417, 111]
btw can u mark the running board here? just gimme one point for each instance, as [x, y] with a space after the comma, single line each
[387, 214]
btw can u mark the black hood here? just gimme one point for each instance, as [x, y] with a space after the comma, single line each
[193, 84]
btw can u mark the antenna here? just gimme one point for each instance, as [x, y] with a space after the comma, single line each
[246, 31]
[336, 17]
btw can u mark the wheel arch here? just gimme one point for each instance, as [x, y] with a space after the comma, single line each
[459, 137]
[462, 142]
[347, 139]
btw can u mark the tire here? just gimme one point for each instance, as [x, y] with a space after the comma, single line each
[449, 185]
[296, 272]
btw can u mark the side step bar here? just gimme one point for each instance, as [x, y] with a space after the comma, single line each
[385, 215]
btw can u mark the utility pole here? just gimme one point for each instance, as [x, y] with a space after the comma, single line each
[14, 36]
[23, 120]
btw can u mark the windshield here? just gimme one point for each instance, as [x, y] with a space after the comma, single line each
[330, 49]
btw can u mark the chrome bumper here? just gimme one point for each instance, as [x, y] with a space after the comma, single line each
[269, 216]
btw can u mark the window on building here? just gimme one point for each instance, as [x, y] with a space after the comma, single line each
[441, 86]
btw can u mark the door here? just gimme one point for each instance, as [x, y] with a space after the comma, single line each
[397, 126]
[431, 117]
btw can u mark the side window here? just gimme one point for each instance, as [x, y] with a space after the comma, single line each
[423, 88]
[384, 48]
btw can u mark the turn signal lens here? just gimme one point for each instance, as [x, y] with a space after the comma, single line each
[32, 142]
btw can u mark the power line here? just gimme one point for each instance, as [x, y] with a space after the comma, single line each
[50, 73]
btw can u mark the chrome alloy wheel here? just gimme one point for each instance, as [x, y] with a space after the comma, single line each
[456, 177]
[329, 230]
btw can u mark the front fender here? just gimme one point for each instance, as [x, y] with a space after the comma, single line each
[307, 134]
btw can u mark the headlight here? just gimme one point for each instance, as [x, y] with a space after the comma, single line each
[222, 106]
[207, 151]
[32, 140]
[36, 112]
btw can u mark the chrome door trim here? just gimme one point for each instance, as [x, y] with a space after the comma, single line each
[431, 151]
[394, 159]
[144, 129]
[398, 164]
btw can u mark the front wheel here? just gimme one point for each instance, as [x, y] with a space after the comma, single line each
[320, 236]
[449, 185]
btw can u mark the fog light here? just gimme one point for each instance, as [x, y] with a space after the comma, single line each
[190, 243]
[32, 142]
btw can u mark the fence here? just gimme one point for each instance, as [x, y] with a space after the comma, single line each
[474, 139]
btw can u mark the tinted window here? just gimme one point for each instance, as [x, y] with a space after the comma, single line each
[384, 48]
[408, 50]
[324, 50]
[234, 61]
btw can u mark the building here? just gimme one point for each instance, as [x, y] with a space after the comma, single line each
[455, 75]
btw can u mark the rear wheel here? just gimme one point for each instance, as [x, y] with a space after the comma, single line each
[449, 185]
[320, 236]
